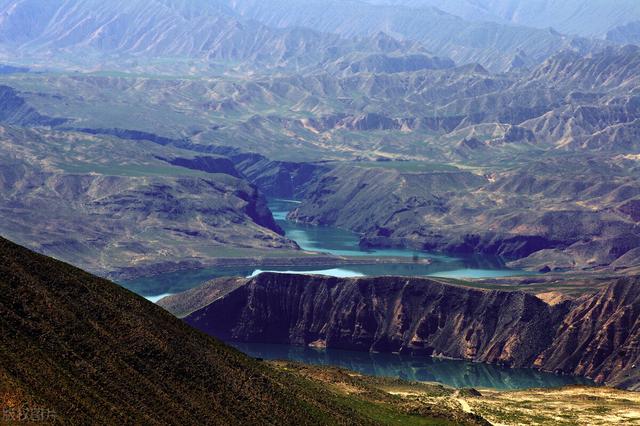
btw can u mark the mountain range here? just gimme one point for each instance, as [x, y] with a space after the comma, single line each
[182, 36]
[589, 18]
[208, 36]
[461, 138]
[496, 46]
[149, 141]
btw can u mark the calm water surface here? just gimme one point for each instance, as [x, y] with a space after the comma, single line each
[332, 241]
[461, 374]
[344, 243]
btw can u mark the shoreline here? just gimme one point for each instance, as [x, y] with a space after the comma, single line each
[311, 260]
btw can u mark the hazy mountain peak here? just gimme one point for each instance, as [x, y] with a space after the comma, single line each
[582, 17]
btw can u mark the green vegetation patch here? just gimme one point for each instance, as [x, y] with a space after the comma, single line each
[408, 166]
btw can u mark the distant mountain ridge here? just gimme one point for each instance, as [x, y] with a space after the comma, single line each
[588, 18]
[275, 34]
[80, 31]
[493, 45]
[625, 34]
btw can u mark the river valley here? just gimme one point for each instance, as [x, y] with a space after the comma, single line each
[336, 242]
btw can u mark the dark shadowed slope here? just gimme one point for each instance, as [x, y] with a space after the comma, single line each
[97, 354]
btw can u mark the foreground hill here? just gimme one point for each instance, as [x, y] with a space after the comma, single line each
[85, 351]
[569, 406]
[595, 336]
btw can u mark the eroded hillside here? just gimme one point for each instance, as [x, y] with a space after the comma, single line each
[594, 336]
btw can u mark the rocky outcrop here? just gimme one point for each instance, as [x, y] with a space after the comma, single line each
[596, 336]
[632, 209]
[280, 179]
[367, 122]
[185, 303]
[600, 337]
[277, 179]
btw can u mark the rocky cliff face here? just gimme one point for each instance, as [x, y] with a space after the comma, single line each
[596, 337]
[281, 179]
[600, 337]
